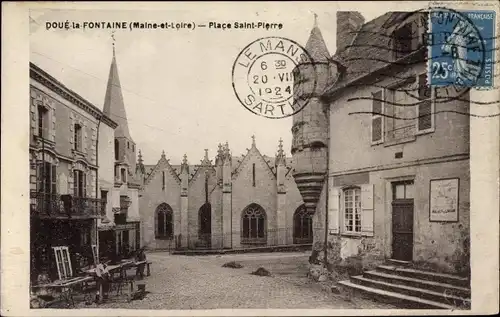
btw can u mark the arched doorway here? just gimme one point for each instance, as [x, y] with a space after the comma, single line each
[253, 225]
[205, 224]
[164, 222]
[302, 226]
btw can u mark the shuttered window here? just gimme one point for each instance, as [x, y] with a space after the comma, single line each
[357, 207]
[425, 121]
[377, 118]
[352, 210]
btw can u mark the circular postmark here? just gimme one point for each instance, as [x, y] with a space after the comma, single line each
[455, 52]
[274, 77]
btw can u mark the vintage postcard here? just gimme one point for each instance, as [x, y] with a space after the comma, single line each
[278, 158]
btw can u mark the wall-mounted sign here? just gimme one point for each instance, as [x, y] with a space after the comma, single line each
[443, 204]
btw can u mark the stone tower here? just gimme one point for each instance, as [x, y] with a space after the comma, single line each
[114, 108]
[310, 125]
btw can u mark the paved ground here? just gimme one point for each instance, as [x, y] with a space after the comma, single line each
[200, 282]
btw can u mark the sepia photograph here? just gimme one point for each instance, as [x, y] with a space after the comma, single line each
[206, 156]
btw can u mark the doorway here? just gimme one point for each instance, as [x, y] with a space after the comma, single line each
[402, 220]
[205, 224]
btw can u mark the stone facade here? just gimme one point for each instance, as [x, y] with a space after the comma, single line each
[63, 170]
[230, 186]
[379, 182]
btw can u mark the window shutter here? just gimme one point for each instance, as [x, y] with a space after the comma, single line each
[94, 145]
[377, 118]
[333, 210]
[415, 36]
[425, 107]
[53, 125]
[84, 183]
[71, 131]
[40, 176]
[84, 138]
[53, 178]
[367, 209]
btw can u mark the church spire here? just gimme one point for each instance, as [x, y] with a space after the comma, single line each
[114, 106]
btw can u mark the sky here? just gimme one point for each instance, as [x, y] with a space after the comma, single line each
[177, 83]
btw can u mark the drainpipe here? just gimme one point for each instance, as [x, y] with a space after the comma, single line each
[97, 184]
[327, 112]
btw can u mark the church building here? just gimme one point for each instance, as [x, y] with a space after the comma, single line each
[119, 231]
[229, 202]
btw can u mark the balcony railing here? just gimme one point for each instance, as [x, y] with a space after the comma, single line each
[54, 205]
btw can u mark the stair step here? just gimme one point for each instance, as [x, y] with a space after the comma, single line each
[396, 298]
[425, 284]
[413, 291]
[399, 262]
[426, 275]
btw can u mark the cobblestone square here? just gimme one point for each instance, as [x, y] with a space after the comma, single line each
[200, 282]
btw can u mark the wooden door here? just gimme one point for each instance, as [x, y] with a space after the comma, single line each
[402, 221]
[402, 229]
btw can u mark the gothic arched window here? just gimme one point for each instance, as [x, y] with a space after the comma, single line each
[164, 222]
[302, 226]
[253, 224]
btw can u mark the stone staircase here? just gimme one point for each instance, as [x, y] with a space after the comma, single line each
[398, 284]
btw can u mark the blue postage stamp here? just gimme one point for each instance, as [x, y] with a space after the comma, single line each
[462, 48]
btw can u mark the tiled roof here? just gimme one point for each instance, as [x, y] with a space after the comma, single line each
[370, 49]
[316, 46]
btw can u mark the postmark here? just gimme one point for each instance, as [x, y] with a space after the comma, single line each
[459, 55]
[461, 48]
[265, 77]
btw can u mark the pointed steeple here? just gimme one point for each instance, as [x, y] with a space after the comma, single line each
[316, 46]
[206, 160]
[114, 106]
[220, 155]
[184, 165]
[227, 153]
[140, 164]
[280, 156]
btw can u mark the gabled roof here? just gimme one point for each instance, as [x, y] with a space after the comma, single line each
[253, 151]
[152, 170]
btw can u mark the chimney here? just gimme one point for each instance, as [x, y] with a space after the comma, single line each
[348, 23]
